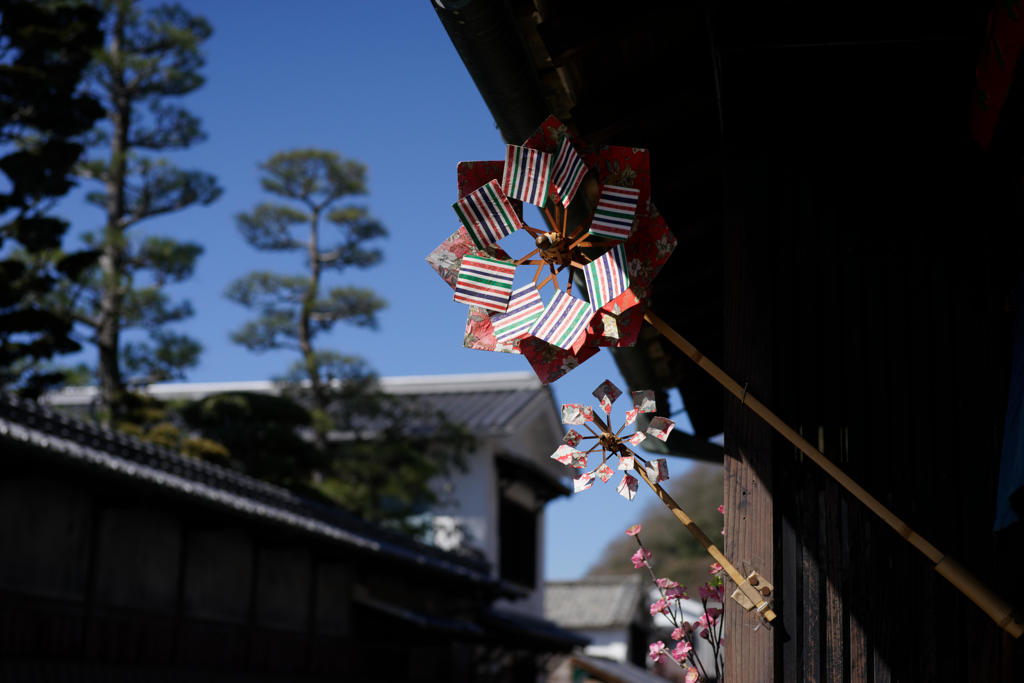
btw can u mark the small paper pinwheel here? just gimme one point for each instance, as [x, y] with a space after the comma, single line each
[652, 472]
[611, 442]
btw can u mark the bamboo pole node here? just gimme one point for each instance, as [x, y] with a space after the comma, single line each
[750, 598]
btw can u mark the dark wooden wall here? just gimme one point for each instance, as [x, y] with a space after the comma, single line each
[870, 311]
[870, 253]
[104, 580]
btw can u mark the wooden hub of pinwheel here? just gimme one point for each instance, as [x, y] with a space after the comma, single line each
[554, 249]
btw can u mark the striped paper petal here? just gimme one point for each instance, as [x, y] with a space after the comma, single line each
[568, 172]
[644, 401]
[627, 487]
[607, 276]
[579, 459]
[527, 174]
[604, 472]
[572, 438]
[564, 321]
[524, 308]
[613, 217]
[485, 282]
[660, 428]
[606, 393]
[626, 462]
[487, 214]
[657, 470]
[576, 414]
[637, 438]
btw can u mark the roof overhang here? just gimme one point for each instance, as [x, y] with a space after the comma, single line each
[703, 85]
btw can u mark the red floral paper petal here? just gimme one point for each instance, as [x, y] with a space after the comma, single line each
[624, 167]
[480, 333]
[447, 257]
[647, 250]
[551, 362]
[549, 134]
[618, 322]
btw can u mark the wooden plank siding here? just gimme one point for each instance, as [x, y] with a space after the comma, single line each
[887, 346]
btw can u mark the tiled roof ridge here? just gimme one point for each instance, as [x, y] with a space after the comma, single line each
[598, 578]
[396, 384]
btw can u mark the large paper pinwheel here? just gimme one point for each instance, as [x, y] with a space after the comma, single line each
[618, 250]
[612, 443]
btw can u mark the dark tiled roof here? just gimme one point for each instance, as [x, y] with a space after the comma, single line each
[482, 412]
[42, 431]
[518, 629]
[593, 602]
[620, 672]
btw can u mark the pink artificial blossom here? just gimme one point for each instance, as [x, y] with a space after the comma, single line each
[634, 530]
[640, 558]
[721, 508]
[707, 592]
[691, 675]
[658, 606]
[677, 592]
[681, 650]
[678, 633]
[715, 568]
[657, 653]
[708, 619]
[666, 583]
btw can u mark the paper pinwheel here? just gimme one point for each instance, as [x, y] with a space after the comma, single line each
[611, 442]
[617, 249]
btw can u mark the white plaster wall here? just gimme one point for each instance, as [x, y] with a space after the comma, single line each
[609, 643]
[476, 504]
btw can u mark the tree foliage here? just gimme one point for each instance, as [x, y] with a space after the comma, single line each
[308, 216]
[151, 57]
[44, 52]
[262, 434]
[677, 553]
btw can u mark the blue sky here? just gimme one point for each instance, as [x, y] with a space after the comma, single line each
[378, 82]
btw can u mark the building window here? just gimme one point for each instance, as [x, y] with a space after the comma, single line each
[518, 533]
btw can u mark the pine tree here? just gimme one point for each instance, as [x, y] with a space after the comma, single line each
[388, 451]
[150, 57]
[43, 54]
[295, 309]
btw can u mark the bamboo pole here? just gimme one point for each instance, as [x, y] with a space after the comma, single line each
[964, 581]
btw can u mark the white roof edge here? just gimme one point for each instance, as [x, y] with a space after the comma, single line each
[494, 381]
[410, 384]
